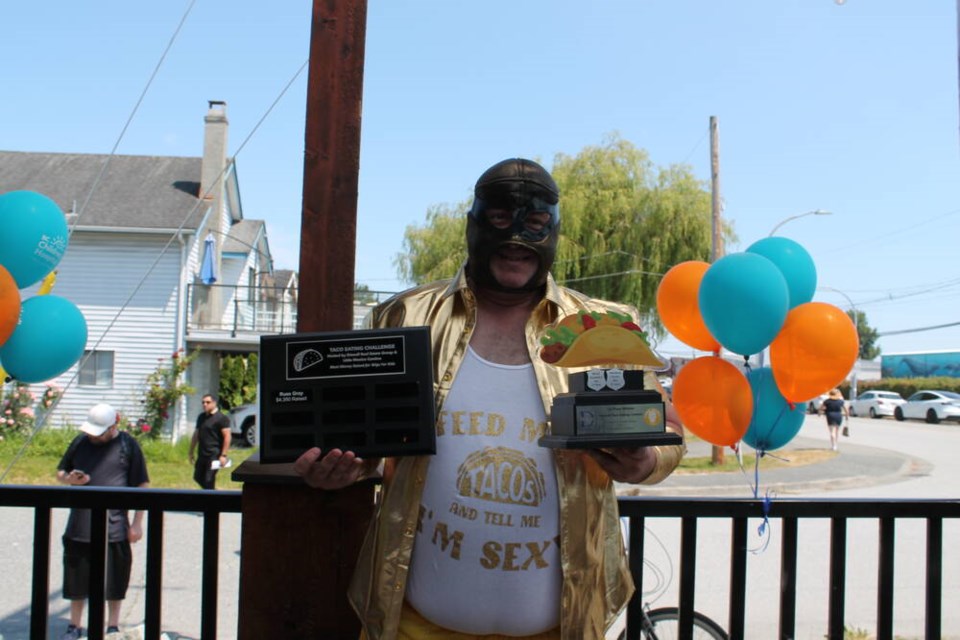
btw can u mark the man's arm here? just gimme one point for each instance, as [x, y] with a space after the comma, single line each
[135, 533]
[225, 446]
[193, 444]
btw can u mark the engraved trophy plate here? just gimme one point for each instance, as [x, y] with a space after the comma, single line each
[606, 406]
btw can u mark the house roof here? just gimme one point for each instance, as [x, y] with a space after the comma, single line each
[143, 192]
[285, 277]
[243, 236]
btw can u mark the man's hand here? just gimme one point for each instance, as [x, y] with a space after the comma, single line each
[77, 477]
[191, 457]
[631, 465]
[135, 532]
[335, 470]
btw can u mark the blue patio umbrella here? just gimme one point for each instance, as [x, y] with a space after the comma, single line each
[207, 272]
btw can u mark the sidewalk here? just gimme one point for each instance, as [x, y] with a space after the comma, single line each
[854, 466]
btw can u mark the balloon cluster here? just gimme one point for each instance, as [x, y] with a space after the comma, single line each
[44, 335]
[745, 302]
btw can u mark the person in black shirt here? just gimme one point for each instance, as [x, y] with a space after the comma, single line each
[100, 456]
[212, 438]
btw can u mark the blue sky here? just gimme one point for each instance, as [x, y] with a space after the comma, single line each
[849, 108]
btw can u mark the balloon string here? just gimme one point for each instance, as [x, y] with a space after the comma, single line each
[764, 529]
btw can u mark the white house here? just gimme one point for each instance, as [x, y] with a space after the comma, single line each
[140, 226]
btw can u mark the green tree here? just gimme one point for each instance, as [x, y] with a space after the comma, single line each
[867, 334]
[238, 379]
[437, 249]
[624, 223]
[362, 294]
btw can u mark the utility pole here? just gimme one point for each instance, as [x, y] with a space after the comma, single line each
[300, 544]
[716, 225]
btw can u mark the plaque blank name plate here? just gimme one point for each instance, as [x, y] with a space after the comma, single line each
[368, 391]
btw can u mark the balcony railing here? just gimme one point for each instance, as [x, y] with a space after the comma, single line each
[236, 309]
[727, 521]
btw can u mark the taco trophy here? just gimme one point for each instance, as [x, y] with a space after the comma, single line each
[607, 406]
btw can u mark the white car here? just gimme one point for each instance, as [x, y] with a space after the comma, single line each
[243, 423]
[932, 406]
[876, 404]
[813, 405]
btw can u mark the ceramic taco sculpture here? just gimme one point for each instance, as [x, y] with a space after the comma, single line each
[591, 338]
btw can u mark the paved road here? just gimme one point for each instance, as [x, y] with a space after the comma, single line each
[882, 459]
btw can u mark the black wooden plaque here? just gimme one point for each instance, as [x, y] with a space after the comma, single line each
[368, 391]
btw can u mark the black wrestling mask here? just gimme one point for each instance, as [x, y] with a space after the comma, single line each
[515, 202]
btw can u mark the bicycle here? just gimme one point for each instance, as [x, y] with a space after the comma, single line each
[663, 623]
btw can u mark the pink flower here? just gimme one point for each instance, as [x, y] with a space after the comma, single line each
[10, 421]
[8, 411]
[27, 411]
[145, 428]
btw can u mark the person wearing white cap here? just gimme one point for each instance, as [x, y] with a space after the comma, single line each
[100, 456]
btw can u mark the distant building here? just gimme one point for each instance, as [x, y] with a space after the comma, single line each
[920, 364]
[160, 259]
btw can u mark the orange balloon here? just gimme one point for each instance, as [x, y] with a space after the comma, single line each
[714, 400]
[9, 305]
[814, 351]
[679, 307]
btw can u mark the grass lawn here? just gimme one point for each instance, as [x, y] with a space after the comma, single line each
[36, 462]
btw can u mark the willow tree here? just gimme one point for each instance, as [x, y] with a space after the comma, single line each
[624, 223]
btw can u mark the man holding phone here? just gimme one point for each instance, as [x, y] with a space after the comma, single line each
[100, 456]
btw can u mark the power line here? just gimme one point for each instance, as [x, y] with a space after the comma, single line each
[917, 330]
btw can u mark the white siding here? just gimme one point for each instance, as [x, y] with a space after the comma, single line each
[130, 309]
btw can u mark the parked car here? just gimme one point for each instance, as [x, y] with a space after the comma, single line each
[876, 404]
[932, 406]
[243, 423]
[813, 406]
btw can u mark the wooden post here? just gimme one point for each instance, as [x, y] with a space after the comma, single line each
[299, 545]
[716, 248]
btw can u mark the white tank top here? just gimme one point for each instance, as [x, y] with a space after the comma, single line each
[486, 557]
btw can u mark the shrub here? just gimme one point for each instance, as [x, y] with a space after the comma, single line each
[21, 408]
[164, 387]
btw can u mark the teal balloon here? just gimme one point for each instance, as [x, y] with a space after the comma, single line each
[33, 235]
[743, 300]
[794, 263]
[48, 340]
[774, 423]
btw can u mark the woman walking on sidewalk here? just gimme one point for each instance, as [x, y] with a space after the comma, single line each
[836, 411]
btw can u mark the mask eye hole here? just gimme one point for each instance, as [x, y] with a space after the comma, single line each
[499, 218]
[536, 221]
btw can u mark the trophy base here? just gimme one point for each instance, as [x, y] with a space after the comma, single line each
[613, 441]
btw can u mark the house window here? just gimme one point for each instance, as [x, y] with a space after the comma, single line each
[97, 369]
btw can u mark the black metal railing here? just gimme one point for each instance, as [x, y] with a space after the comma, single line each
[783, 515]
[156, 502]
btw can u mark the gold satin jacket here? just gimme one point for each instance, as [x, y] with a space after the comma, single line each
[596, 579]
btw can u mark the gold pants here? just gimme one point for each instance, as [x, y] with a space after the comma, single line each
[413, 626]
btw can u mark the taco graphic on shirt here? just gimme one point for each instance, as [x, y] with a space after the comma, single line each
[593, 338]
